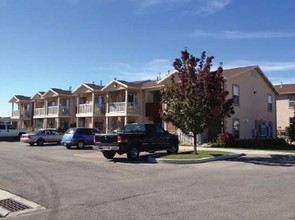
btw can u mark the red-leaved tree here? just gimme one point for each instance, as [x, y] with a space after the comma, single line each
[198, 101]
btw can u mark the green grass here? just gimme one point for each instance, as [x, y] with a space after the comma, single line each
[200, 154]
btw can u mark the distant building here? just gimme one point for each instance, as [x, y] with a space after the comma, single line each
[285, 106]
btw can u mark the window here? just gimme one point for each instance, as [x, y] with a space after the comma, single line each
[292, 100]
[236, 128]
[98, 100]
[2, 127]
[269, 103]
[236, 94]
[291, 121]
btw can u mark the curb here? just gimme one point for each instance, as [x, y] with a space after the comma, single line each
[203, 160]
[32, 206]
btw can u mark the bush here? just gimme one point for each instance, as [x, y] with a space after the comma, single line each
[224, 139]
[270, 143]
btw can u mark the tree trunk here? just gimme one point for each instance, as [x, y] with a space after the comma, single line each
[195, 143]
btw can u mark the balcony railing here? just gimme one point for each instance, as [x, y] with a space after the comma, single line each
[85, 109]
[52, 110]
[17, 113]
[39, 112]
[120, 107]
[55, 110]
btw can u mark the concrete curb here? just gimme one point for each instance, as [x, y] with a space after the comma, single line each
[7, 195]
[203, 160]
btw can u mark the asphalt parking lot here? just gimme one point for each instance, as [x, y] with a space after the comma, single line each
[82, 184]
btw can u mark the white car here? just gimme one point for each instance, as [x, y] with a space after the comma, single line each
[42, 136]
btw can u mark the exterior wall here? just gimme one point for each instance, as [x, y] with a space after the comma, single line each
[284, 112]
[253, 104]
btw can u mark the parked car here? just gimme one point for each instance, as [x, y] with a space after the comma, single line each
[136, 138]
[79, 137]
[10, 132]
[42, 136]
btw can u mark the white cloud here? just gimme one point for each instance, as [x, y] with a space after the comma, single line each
[138, 71]
[227, 34]
[202, 7]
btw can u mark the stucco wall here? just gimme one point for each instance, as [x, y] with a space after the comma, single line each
[284, 112]
[253, 103]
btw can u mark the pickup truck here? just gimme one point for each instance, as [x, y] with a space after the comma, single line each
[136, 138]
[10, 132]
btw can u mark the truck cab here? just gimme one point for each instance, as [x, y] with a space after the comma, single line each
[8, 131]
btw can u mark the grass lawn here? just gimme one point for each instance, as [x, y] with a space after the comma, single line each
[200, 154]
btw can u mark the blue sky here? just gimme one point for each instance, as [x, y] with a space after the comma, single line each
[61, 43]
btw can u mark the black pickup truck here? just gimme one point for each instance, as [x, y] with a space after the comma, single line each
[136, 138]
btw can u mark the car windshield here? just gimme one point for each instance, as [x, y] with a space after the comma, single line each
[70, 131]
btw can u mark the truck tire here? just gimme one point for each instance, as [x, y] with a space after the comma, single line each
[133, 153]
[80, 144]
[173, 148]
[109, 154]
[40, 142]
[31, 143]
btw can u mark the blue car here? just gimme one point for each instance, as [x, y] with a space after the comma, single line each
[78, 137]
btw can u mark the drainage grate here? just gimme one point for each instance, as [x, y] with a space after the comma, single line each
[12, 205]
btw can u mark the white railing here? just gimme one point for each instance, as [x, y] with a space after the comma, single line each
[39, 112]
[15, 113]
[52, 110]
[85, 109]
[189, 139]
[120, 107]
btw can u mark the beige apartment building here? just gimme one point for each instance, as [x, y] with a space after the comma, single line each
[21, 113]
[254, 103]
[110, 107]
[285, 102]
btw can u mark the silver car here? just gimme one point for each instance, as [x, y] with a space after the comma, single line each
[42, 136]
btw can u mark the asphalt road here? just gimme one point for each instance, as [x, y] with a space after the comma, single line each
[81, 184]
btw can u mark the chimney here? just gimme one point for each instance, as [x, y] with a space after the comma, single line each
[281, 85]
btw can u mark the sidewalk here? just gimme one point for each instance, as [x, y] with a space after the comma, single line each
[237, 151]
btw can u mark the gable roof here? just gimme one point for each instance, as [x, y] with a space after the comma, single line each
[38, 95]
[125, 84]
[87, 87]
[285, 89]
[20, 98]
[234, 72]
[57, 92]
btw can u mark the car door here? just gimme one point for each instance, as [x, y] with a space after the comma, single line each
[161, 138]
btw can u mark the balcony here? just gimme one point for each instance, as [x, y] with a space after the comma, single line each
[17, 114]
[39, 112]
[58, 111]
[84, 109]
[120, 107]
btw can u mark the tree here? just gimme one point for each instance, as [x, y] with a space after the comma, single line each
[198, 100]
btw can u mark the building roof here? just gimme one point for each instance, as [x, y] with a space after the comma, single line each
[20, 98]
[236, 71]
[57, 92]
[284, 89]
[87, 87]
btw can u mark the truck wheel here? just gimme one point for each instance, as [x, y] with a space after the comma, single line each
[173, 149]
[133, 153]
[40, 142]
[80, 144]
[109, 154]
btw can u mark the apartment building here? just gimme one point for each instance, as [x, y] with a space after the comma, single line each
[21, 113]
[110, 107]
[285, 102]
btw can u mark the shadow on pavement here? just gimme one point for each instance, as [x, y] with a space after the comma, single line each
[270, 160]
